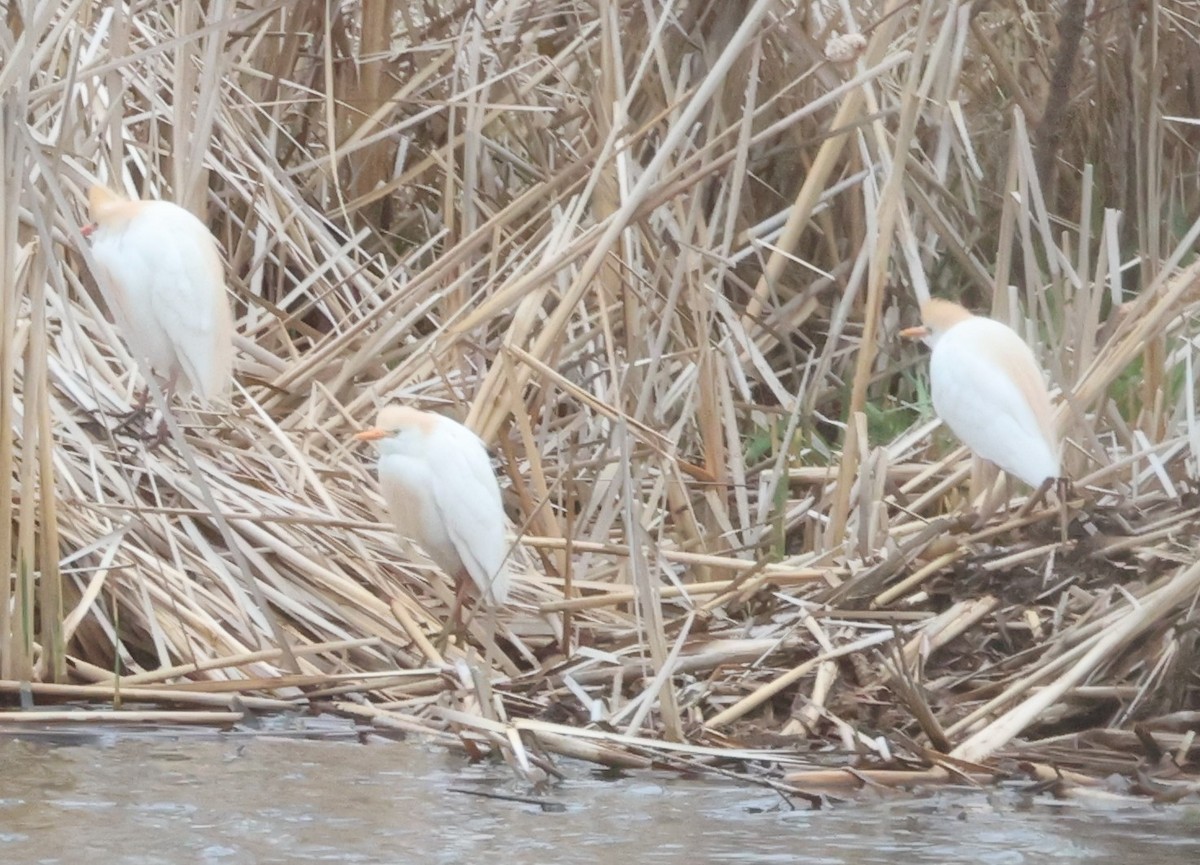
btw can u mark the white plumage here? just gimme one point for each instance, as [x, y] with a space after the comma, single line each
[437, 480]
[987, 387]
[162, 272]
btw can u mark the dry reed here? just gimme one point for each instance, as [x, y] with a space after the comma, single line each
[657, 255]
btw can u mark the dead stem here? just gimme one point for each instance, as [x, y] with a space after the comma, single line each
[658, 260]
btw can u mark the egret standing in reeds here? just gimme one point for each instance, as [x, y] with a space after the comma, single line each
[162, 273]
[988, 388]
[437, 480]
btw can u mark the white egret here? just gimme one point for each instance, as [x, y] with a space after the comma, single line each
[437, 480]
[988, 388]
[162, 273]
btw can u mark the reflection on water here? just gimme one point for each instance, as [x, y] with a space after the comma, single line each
[167, 798]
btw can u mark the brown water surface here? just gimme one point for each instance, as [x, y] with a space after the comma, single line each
[116, 798]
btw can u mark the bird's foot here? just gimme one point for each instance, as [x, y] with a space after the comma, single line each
[456, 626]
[136, 416]
[141, 403]
[450, 634]
[159, 436]
[133, 424]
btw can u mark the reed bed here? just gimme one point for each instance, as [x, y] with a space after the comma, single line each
[657, 255]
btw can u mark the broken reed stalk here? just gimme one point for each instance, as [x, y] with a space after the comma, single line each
[145, 695]
[644, 288]
[1183, 588]
[121, 716]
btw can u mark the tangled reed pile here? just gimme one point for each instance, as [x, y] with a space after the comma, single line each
[657, 256]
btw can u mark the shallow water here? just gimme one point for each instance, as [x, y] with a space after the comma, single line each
[128, 799]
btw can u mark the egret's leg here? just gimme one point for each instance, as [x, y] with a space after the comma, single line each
[142, 400]
[137, 413]
[1062, 489]
[456, 614]
[1038, 497]
[454, 624]
[162, 433]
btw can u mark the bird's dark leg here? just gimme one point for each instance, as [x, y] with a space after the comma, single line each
[1038, 497]
[137, 413]
[1062, 489]
[143, 399]
[460, 599]
[454, 624]
[162, 433]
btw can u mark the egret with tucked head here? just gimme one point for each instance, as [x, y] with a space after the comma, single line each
[162, 273]
[440, 490]
[988, 388]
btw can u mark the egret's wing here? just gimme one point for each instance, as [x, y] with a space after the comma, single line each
[1007, 349]
[468, 498]
[179, 254]
[127, 276]
[987, 410]
[115, 277]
